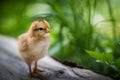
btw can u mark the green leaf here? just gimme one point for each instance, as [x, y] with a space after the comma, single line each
[117, 63]
[106, 58]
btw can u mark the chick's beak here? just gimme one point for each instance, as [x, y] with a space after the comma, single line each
[47, 31]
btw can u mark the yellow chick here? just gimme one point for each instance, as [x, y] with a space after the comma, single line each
[34, 44]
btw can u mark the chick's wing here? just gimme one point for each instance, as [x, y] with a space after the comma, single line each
[22, 40]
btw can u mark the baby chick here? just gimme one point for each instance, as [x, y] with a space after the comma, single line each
[34, 44]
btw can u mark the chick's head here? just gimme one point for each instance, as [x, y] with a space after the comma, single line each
[40, 28]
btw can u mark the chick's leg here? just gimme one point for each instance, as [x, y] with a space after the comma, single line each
[36, 70]
[32, 74]
[30, 71]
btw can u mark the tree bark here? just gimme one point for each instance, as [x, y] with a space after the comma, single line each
[13, 67]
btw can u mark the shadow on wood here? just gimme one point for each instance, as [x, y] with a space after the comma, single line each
[12, 66]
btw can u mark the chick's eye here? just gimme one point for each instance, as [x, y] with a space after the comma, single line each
[41, 29]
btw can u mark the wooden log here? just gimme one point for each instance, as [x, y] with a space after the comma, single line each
[13, 67]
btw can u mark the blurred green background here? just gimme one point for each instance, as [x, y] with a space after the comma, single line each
[83, 31]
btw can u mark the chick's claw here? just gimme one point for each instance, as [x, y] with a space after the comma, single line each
[38, 71]
[34, 75]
